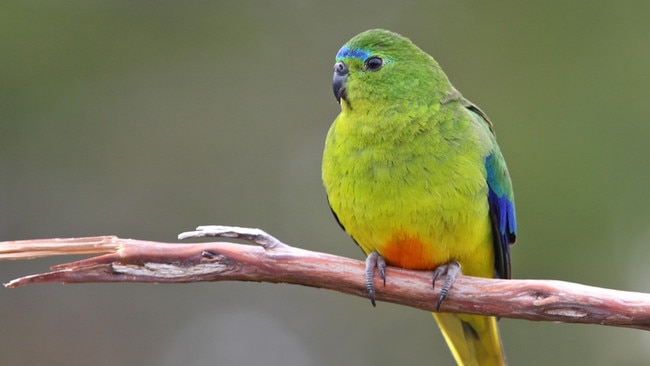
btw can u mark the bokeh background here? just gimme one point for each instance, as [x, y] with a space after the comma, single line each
[145, 119]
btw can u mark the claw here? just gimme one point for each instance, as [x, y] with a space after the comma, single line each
[374, 260]
[451, 269]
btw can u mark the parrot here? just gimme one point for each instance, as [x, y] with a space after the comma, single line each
[414, 175]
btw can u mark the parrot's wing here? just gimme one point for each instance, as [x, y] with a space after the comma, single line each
[500, 198]
[502, 212]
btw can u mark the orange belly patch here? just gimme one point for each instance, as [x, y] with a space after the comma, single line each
[410, 253]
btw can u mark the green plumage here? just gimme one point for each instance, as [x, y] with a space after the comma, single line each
[413, 172]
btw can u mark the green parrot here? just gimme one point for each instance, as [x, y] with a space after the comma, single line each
[414, 174]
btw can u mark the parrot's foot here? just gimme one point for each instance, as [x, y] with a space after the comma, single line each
[374, 260]
[451, 269]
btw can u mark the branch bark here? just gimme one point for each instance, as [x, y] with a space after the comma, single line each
[129, 260]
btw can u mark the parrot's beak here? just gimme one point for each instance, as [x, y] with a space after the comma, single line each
[340, 75]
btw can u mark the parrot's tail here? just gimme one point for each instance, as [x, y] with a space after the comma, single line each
[473, 340]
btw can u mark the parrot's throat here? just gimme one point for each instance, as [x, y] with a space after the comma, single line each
[345, 105]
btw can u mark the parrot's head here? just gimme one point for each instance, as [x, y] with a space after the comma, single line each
[381, 69]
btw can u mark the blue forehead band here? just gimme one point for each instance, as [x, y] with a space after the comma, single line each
[357, 53]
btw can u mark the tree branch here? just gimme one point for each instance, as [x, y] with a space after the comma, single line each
[129, 260]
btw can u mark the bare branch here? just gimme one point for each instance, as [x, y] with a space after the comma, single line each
[37, 248]
[128, 260]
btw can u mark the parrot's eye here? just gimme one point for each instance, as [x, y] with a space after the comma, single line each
[374, 63]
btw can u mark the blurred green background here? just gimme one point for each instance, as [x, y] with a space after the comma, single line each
[145, 119]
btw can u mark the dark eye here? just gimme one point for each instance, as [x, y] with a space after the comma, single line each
[374, 63]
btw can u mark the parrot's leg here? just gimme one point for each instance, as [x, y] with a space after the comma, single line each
[374, 260]
[451, 269]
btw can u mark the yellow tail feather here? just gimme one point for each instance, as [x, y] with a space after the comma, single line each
[473, 340]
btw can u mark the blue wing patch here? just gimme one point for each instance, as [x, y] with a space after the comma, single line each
[502, 214]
